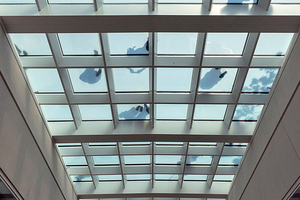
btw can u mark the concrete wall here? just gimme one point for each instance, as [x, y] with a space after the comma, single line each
[28, 156]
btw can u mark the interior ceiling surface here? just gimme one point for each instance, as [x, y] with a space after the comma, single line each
[153, 100]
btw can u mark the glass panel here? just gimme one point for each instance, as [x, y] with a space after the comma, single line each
[273, 43]
[103, 144]
[169, 143]
[225, 43]
[131, 177]
[192, 177]
[116, 177]
[199, 160]
[176, 43]
[142, 159]
[171, 111]
[166, 177]
[132, 112]
[88, 80]
[70, 1]
[80, 43]
[128, 43]
[203, 143]
[68, 144]
[247, 112]
[84, 178]
[131, 79]
[17, 1]
[75, 160]
[210, 112]
[260, 80]
[230, 160]
[223, 177]
[217, 79]
[180, 1]
[168, 159]
[44, 80]
[106, 160]
[125, 1]
[135, 143]
[285, 1]
[57, 112]
[31, 44]
[95, 112]
[234, 1]
[174, 79]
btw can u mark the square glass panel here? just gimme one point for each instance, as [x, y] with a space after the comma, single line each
[131, 79]
[75, 160]
[166, 177]
[168, 159]
[180, 1]
[81, 178]
[128, 43]
[223, 177]
[70, 1]
[260, 79]
[174, 79]
[133, 112]
[217, 79]
[95, 112]
[230, 160]
[171, 111]
[106, 160]
[194, 177]
[116, 177]
[80, 43]
[132, 177]
[225, 43]
[209, 112]
[285, 1]
[31, 44]
[44, 80]
[234, 1]
[176, 43]
[199, 160]
[88, 79]
[57, 112]
[137, 160]
[247, 112]
[274, 44]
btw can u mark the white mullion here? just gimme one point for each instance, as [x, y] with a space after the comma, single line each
[265, 4]
[41, 4]
[152, 164]
[90, 163]
[122, 163]
[214, 164]
[207, 4]
[152, 5]
[98, 4]
[153, 75]
[183, 162]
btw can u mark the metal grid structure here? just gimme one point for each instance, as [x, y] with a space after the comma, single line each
[168, 154]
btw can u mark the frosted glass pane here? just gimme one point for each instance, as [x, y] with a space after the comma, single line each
[247, 112]
[17, 1]
[84, 178]
[230, 160]
[70, 1]
[273, 43]
[128, 43]
[142, 159]
[44, 80]
[225, 43]
[223, 177]
[169, 143]
[260, 80]
[57, 112]
[199, 160]
[75, 160]
[210, 112]
[171, 111]
[31, 44]
[80, 43]
[131, 177]
[176, 43]
[193, 177]
[174, 79]
[95, 112]
[234, 1]
[106, 160]
[285, 1]
[167, 159]
[131, 112]
[180, 1]
[217, 79]
[166, 176]
[88, 80]
[131, 79]
[116, 177]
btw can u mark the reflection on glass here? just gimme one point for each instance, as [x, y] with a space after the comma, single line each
[116, 177]
[106, 160]
[180, 1]
[140, 159]
[44, 80]
[174, 79]
[70, 1]
[234, 1]
[31, 44]
[210, 112]
[166, 177]
[217, 79]
[75, 160]
[132, 112]
[95, 112]
[80, 43]
[171, 111]
[88, 80]
[193, 177]
[285, 1]
[225, 43]
[223, 177]
[131, 79]
[83, 178]
[230, 160]
[247, 112]
[199, 160]
[260, 80]
[128, 43]
[176, 43]
[273, 43]
[168, 159]
[131, 177]
[57, 112]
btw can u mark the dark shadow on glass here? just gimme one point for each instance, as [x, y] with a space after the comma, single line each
[236, 1]
[144, 50]
[91, 75]
[138, 112]
[20, 51]
[211, 78]
[237, 160]
[137, 71]
[80, 177]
